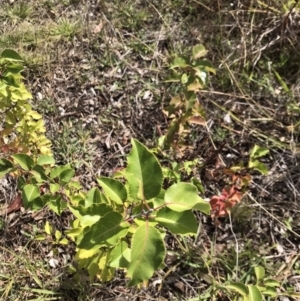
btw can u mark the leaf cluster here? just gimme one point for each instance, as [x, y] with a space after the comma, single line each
[191, 73]
[121, 225]
[22, 129]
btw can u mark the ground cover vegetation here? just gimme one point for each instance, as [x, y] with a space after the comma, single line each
[149, 150]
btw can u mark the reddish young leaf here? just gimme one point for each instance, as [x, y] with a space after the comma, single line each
[221, 204]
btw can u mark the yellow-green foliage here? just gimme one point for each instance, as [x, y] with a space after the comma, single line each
[22, 129]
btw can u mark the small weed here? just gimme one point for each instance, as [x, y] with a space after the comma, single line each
[71, 145]
[18, 11]
[65, 28]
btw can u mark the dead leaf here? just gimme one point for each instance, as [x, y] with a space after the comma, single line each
[16, 204]
[197, 120]
[98, 27]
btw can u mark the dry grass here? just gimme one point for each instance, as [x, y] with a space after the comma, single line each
[96, 71]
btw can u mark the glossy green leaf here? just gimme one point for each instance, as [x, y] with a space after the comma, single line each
[45, 160]
[57, 235]
[182, 197]
[120, 256]
[91, 214]
[30, 193]
[268, 291]
[203, 206]
[238, 287]
[259, 272]
[199, 51]
[21, 182]
[48, 228]
[147, 254]
[107, 230]
[14, 68]
[66, 175]
[39, 174]
[74, 184]
[56, 171]
[54, 187]
[25, 161]
[56, 203]
[11, 55]
[143, 172]
[271, 283]
[93, 197]
[254, 293]
[113, 189]
[177, 222]
[5, 166]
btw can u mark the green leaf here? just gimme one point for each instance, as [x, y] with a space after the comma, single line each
[259, 272]
[258, 151]
[5, 166]
[48, 228]
[107, 230]
[64, 241]
[143, 172]
[238, 287]
[30, 193]
[114, 189]
[86, 213]
[254, 293]
[198, 184]
[15, 69]
[180, 62]
[184, 78]
[172, 130]
[120, 256]
[39, 173]
[74, 184]
[177, 222]
[54, 187]
[21, 182]
[195, 86]
[93, 197]
[45, 160]
[90, 215]
[199, 51]
[255, 164]
[23, 160]
[271, 283]
[55, 203]
[57, 235]
[205, 66]
[11, 55]
[182, 197]
[270, 291]
[203, 206]
[56, 171]
[66, 175]
[147, 254]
